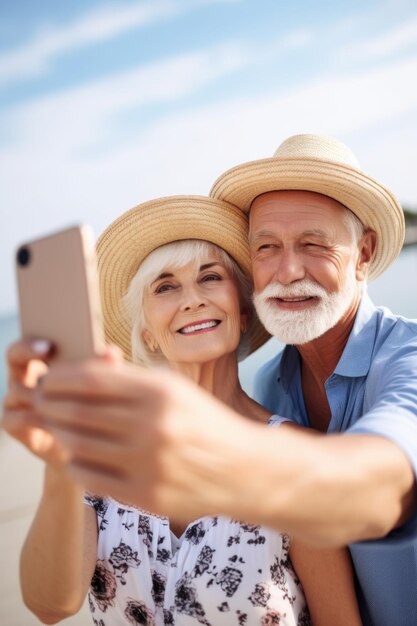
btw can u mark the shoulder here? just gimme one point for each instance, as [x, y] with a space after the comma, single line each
[98, 503]
[377, 336]
[392, 362]
[388, 320]
[395, 338]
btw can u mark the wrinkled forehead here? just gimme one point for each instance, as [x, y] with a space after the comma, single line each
[296, 206]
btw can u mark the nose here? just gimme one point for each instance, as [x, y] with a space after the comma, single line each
[290, 267]
[193, 299]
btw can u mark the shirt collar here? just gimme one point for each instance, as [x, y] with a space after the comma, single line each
[356, 357]
[288, 366]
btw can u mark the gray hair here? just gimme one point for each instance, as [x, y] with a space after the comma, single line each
[177, 254]
[353, 223]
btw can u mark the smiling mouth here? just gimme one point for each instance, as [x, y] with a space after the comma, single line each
[294, 302]
[201, 326]
[299, 299]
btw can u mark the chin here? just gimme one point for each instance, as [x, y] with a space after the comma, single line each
[207, 356]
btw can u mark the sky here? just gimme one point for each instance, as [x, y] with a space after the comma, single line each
[107, 104]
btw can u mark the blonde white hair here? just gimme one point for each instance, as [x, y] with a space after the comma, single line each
[355, 226]
[176, 255]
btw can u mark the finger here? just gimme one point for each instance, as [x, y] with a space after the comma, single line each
[18, 396]
[25, 427]
[103, 379]
[19, 420]
[113, 354]
[21, 353]
[100, 419]
[86, 448]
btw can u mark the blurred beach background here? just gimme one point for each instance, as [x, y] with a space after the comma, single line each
[107, 104]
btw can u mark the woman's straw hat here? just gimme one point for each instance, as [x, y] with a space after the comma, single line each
[323, 165]
[128, 240]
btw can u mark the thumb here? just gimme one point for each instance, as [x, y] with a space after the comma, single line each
[113, 354]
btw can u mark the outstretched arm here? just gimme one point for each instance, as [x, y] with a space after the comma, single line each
[154, 438]
[334, 490]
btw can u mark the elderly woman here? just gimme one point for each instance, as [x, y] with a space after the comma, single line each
[175, 284]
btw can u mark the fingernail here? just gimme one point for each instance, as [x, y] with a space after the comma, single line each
[41, 346]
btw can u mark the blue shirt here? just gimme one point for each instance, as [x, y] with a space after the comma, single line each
[373, 390]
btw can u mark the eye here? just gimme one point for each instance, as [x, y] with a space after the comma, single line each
[164, 287]
[209, 277]
[311, 244]
[265, 246]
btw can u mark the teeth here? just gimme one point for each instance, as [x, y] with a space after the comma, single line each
[192, 329]
[295, 299]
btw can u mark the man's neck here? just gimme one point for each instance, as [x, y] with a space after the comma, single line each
[319, 359]
[322, 355]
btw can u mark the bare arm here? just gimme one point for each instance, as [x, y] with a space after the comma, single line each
[59, 555]
[57, 559]
[334, 490]
[172, 448]
[327, 578]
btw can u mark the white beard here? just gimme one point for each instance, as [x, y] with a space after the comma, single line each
[298, 327]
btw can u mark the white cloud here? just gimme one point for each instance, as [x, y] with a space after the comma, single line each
[388, 43]
[84, 117]
[48, 179]
[35, 57]
[81, 117]
[293, 40]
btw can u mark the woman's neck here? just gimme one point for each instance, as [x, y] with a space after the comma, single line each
[220, 378]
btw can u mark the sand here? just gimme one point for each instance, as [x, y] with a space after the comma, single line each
[20, 488]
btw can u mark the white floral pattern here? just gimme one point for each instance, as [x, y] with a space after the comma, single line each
[220, 572]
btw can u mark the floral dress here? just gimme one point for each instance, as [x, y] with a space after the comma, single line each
[220, 572]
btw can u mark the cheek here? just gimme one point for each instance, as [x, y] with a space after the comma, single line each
[157, 320]
[329, 273]
[228, 301]
[263, 274]
[232, 301]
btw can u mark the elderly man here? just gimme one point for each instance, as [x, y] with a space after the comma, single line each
[319, 228]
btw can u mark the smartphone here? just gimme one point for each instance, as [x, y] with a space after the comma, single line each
[59, 295]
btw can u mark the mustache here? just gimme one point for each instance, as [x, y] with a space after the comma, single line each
[303, 289]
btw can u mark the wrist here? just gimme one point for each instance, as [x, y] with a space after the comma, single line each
[58, 483]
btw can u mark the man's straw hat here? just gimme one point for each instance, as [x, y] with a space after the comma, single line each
[323, 165]
[128, 240]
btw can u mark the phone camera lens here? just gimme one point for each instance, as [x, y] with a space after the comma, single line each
[23, 256]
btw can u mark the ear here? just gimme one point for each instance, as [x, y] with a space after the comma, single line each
[366, 249]
[244, 322]
[150, 340]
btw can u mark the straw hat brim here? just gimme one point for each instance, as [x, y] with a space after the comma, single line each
[374, 204]
[125, 244]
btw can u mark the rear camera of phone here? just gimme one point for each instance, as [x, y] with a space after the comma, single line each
[23, 256]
